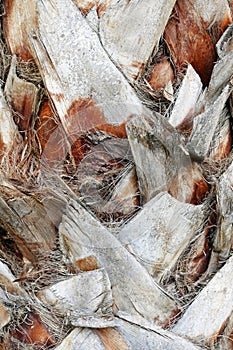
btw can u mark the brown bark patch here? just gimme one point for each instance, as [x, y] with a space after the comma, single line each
[23, 105]
[200, 258]
[161, 74]
[112, 339]
[2, 147]
[88, 264]
[223, 148]
[45, 124]
[84, 6]
[80, 147]
[188, 40]
[101, 8]
[51, 136]
[84, 115]
[174, 315]
[7, 285]
[115, 130]
[33, 331]
[218, 28]
[187, 124]
[15, 25]
[200, 189]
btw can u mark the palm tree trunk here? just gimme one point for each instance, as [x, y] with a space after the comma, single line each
[116, 174]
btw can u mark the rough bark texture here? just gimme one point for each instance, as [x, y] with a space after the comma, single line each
[116, 175]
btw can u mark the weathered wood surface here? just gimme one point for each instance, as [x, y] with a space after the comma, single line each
[26, 220]
[8, 130]
[86, 298]
[22, 96]
[142, 333]
[162, 161]
[214, 12]
[224, 236]
[128, 335]
[225, 43]
[19, 20]
[206, 317]
[205, 126]
[77, 71]
[144, 23]
[133, 290]
[221, 144]
[188, 95]
[83, 339]
[220, 77]
[160, 232]
[129, 273]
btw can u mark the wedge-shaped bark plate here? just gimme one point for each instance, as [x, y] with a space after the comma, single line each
[27, 222]
[224, 236]
[86, 298]
[133, 289]
[206, 126]
[188, 95]
[220, 78]
[225, 43]
[144, 23]
[141, 334]
[162, 162]
[82, 339]
[161, 231]
[132, 333]
[206, 317]
[221, 144]
[86, 88]
[8, 131]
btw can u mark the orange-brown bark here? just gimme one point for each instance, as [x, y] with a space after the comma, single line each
[33, 331]
[19, 20]
[161, 74]
[188, 40]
